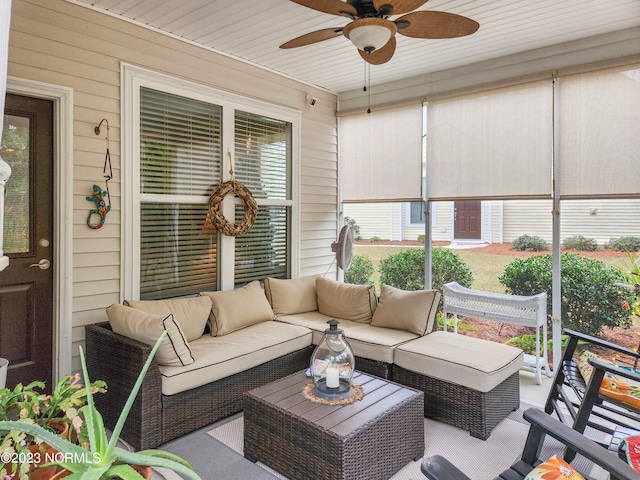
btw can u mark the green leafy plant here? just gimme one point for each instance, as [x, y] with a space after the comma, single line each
[527, 343]
[450, 323]
[405, 269]
[624, 244]
[56, 412]
[375, 239]
[591, 300]
[354, 226]
[360, 270]
[580, 243]
[529, 243]
[103, 459]
[630, 268]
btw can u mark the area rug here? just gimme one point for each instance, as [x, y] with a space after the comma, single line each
[216, 452]
[477, 458]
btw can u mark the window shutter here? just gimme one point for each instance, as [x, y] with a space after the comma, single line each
[599, 140]
[381, 155]
[494, 144]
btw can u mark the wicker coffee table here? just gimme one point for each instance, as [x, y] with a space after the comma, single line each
[370, 438]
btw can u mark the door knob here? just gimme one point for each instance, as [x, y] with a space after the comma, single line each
[42, 264]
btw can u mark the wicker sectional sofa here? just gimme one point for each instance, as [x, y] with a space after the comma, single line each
[222, 344]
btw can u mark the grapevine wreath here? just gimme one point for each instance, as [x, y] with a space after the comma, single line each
[215, 208]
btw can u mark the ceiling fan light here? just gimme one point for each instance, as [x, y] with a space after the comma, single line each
[369, 34]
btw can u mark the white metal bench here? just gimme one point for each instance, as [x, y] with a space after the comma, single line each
[529, 311]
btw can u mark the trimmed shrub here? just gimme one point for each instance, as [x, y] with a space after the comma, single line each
[421, 238]
[624, 244]
[375, 239]
[354, 226]
[580, 243]
[529, 243]
[590, 298]
[360, 270]
[405, 269]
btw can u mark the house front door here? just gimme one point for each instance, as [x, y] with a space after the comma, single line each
[467, 224]
[26, 285]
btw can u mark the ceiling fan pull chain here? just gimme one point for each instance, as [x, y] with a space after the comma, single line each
[368, 67]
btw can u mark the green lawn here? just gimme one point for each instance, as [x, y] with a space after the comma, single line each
[486, 267]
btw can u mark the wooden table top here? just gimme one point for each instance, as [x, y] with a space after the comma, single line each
[379, 397]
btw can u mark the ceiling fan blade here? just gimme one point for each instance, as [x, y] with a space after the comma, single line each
[431, 24]
[382, 55]
[333, 7]
[396, 7]
[313, 37]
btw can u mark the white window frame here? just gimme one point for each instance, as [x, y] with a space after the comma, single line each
[132, 78]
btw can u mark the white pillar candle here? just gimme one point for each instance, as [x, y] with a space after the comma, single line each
[333, 378]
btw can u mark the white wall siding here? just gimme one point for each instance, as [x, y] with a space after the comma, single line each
[601, 220]
[60, 43]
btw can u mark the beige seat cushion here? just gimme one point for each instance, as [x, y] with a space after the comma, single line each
[220, 357]
[471, 362]
[346, 301]
[296, 295]
[413, 311]
[191, 313]
[232, 310]
[147, 328]
[366, 340]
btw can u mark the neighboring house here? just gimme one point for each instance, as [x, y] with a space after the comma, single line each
[497, 221]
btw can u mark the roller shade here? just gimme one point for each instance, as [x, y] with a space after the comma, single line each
[494, 144]
[381, 155]
[599, 139]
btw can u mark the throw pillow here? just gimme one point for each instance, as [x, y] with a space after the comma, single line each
[288, 297]
[346, 301]
[555, 468]
[413, 311]
[147, 328]
[191, 313]
[613, 386]
[232, 310]
[631, 448]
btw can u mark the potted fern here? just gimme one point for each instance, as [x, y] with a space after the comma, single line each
[102, 458]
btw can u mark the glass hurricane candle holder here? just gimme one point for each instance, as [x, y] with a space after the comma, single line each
[332, 365]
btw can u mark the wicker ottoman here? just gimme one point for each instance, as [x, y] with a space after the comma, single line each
[369, 439]
[467, 382]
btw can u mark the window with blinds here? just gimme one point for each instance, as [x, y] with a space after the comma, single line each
[177, 256]
[262, 160]
[262, 252]
[181, 160]
[180, 144]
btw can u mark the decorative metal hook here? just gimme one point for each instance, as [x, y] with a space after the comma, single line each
[97, 129]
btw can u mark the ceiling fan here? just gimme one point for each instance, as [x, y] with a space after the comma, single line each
[373, 33]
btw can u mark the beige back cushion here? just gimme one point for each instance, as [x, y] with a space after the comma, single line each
[288, 297]
[232, 310]
[346, 301]
[413, 311]
[190, 313]
[147, 328]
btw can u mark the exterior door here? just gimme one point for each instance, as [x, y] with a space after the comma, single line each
[26, 285]
[467, 223]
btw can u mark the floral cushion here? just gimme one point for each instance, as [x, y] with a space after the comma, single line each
[631, 448]
[555, 468]
[613, 386]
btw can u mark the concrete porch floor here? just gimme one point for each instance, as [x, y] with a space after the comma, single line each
[532, 393]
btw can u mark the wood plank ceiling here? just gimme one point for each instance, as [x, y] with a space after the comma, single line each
[253, 30]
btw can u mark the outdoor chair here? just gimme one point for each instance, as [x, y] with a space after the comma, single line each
[579, 402]
[439, 468]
